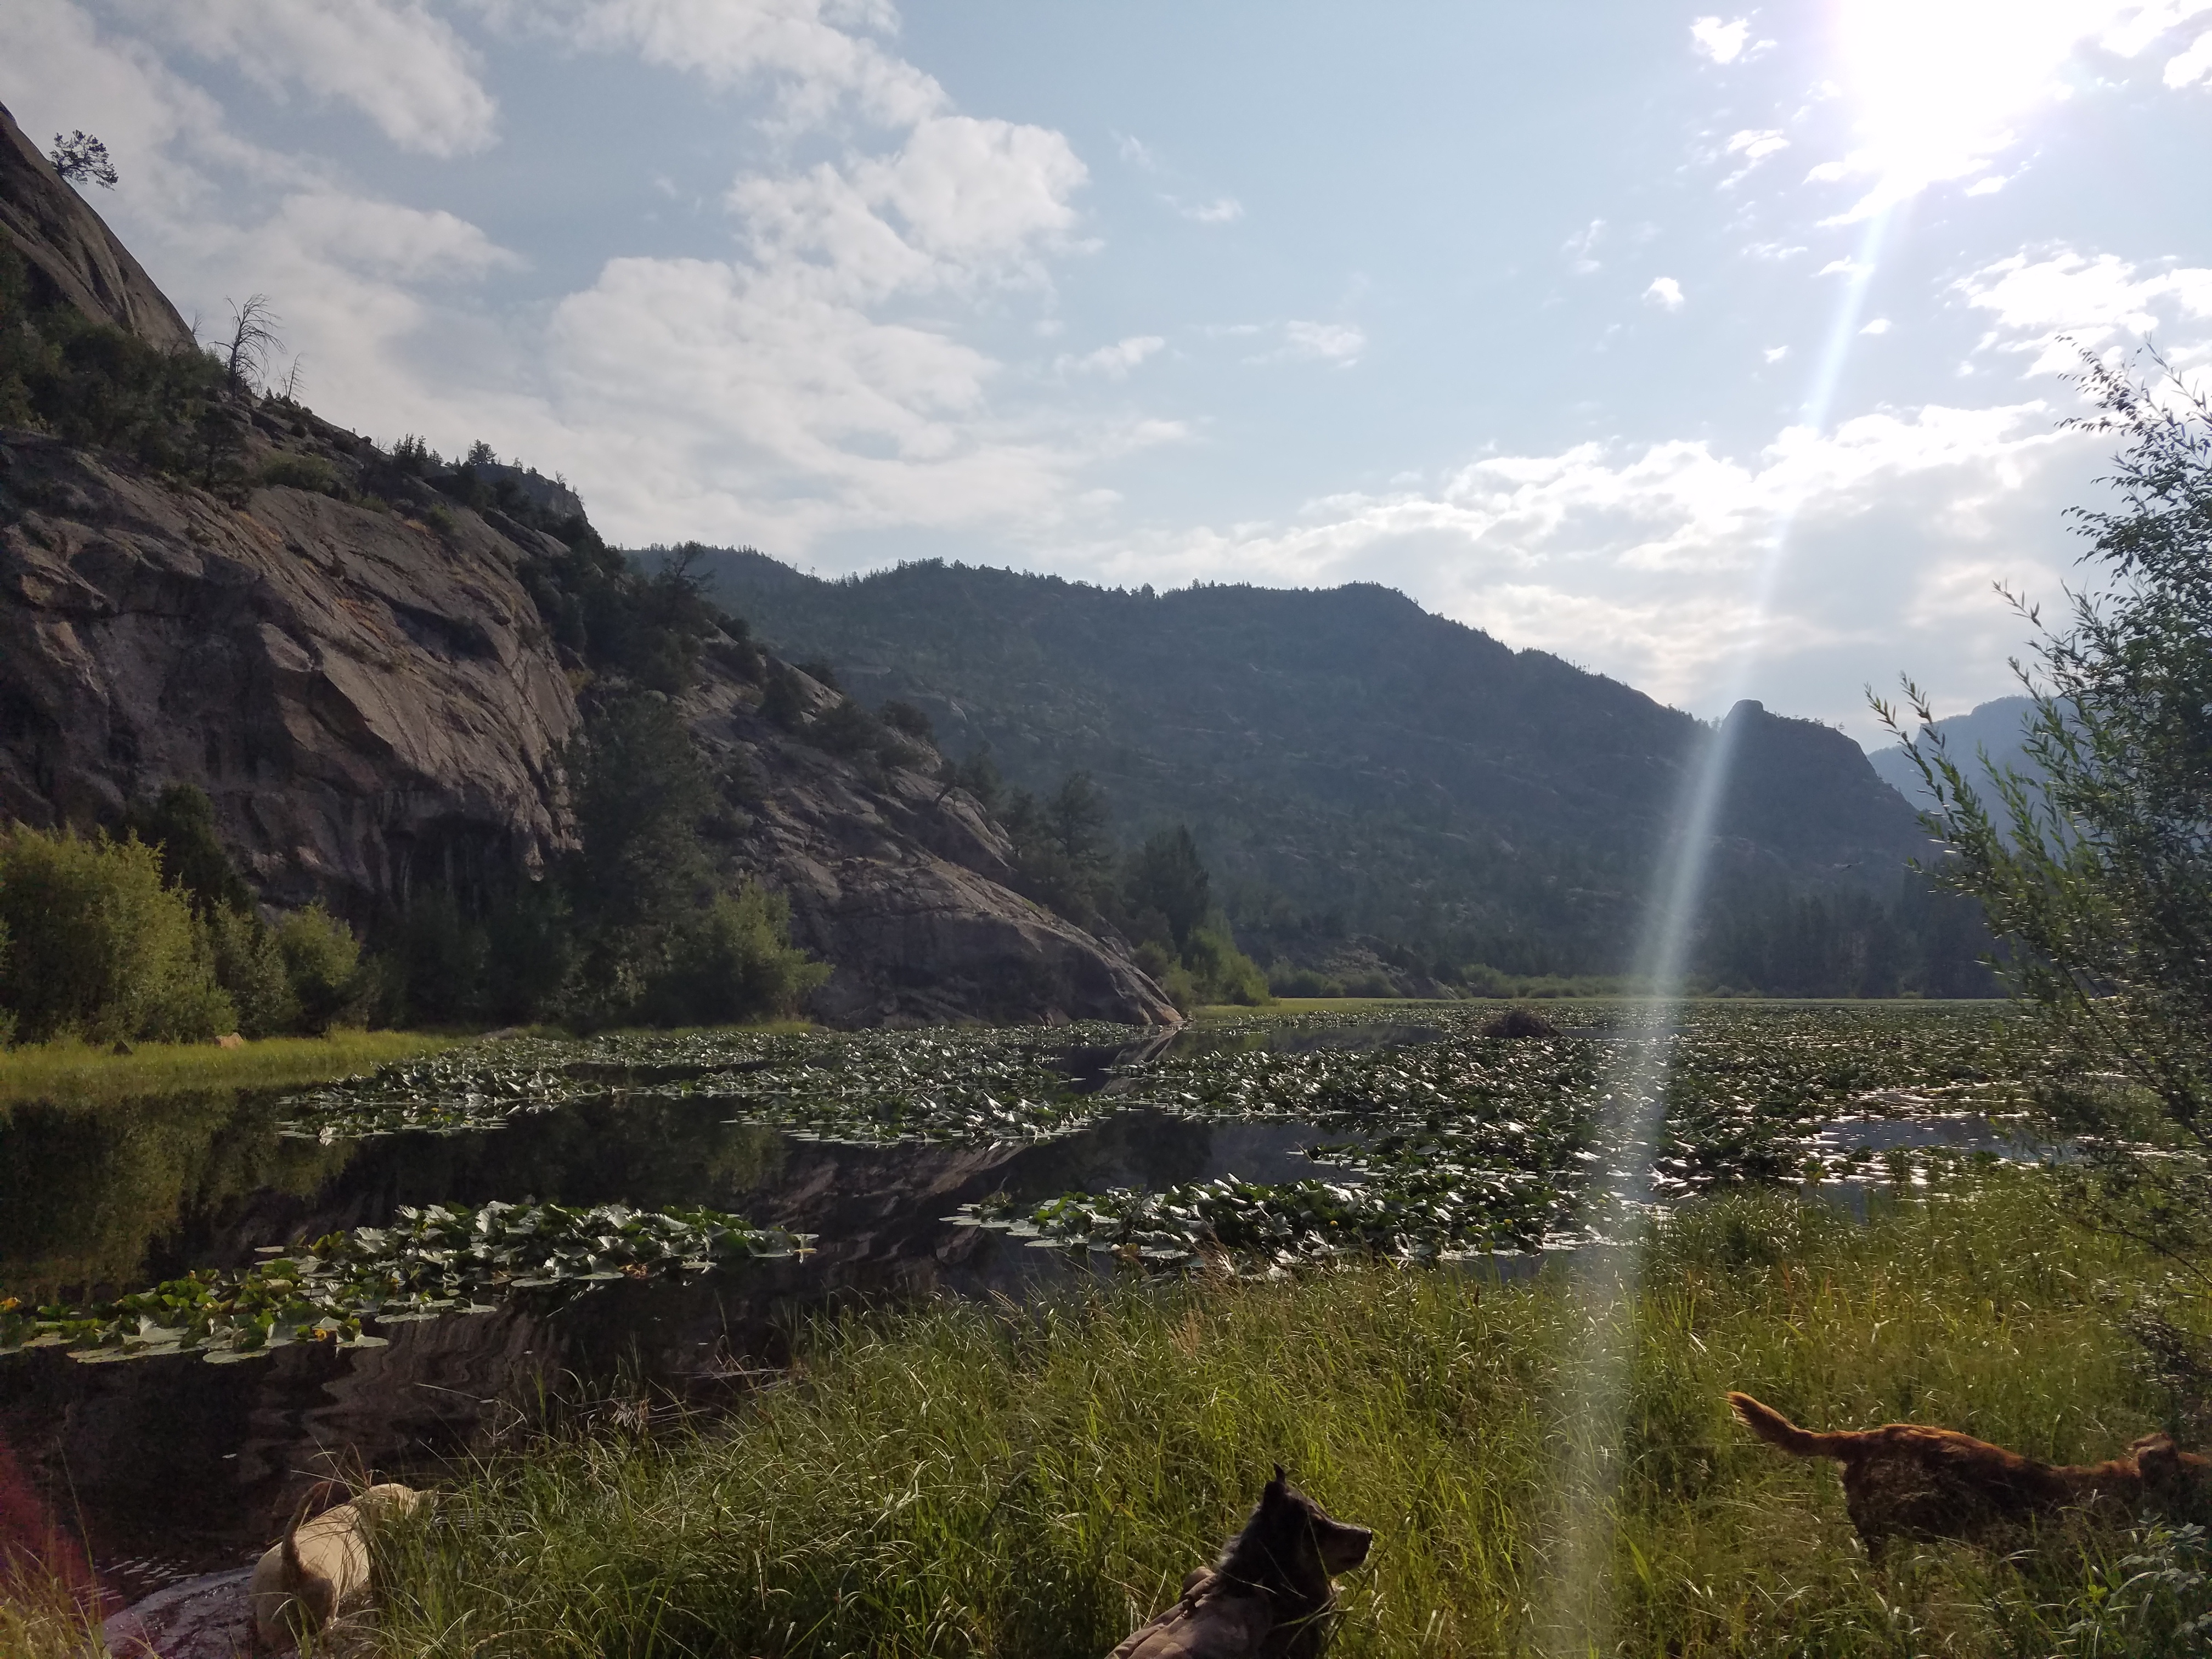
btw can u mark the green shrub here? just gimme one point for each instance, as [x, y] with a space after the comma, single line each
[92, 383]
[531, 952]
[847, 729]
[1303, 982]
[250, 967]
[905, 717]
[99, 947]
[310, 472]
[440, 961]
[734, 960]
[179, 825]
[1168, 973]
[782, 703]
[323, 965]
[1224, 973]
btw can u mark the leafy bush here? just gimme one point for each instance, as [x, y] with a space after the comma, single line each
[1166, 970]
[1303, 982]
[782, 703]
[98, 947]
[1224, 973]
[322, 962]
[733, 961]
[847, 729]
[93, 384]
[905, 717]
[310, 472]
[179, 825]
[249, 965]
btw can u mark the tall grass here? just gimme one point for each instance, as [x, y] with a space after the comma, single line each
[74, 1071]
[42, 1617]
[966, 1479]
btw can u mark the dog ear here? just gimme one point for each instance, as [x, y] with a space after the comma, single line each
[1282, 1476]
[2156, 1459]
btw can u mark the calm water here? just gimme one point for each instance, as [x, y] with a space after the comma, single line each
[163, 1468]
[157, 1469]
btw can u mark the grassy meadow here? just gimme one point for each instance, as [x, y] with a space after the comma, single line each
[81, 1072]
[971, 1479]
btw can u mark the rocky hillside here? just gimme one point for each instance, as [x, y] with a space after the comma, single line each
[1348, 760]
[351, 663]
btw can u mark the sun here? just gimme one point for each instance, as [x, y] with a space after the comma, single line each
[1942, 87]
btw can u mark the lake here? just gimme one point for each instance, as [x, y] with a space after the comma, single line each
[1431, 1138]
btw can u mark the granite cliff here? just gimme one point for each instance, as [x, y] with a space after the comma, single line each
[352, 665]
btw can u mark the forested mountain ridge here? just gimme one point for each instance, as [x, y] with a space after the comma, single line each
[1348, 762]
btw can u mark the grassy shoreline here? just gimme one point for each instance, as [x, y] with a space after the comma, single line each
[961, 1479]
[80, 1072]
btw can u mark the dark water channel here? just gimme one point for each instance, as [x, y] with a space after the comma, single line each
[161, 1468]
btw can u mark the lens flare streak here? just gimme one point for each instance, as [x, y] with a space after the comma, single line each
[1607, 1274]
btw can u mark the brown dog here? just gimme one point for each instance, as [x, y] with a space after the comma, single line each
[1270, 1595]
[319, 1571]
[1906, 1481]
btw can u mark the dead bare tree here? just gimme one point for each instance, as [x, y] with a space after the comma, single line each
[253, 339]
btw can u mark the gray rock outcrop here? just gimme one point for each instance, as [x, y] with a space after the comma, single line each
[899, 883]
[351, 666]
[368, 699]
[72, 252]
[368, 695]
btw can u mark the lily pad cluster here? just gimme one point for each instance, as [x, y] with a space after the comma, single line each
[865, 1088]
[1466, 1143]
[429, 1261]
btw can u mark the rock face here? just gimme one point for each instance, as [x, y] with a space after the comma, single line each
[898, 882]
[71, 251]
[373, 703]
[351, 666]
[368, 701]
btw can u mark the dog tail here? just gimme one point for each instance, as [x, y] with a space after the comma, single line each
[295, 1571]
[1771, 1426]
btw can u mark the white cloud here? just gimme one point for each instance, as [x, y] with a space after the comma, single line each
[2186, 69]
[1665, 292]
[1757, 146]
[1878, 326]
[1775, 353]
[816, 56]
[1222, 210]
[1722, 42]
[1340, 343]
[2138, 27]
[1137, 152]
[383, 238]
[1113, 362]
[1581, 247]
[2096, 303]
[399, 65]
[1642, 562]
[822, 377]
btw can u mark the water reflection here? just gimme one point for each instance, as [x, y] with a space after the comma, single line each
[172, 1466]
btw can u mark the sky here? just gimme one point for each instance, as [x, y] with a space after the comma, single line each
[1722, 352]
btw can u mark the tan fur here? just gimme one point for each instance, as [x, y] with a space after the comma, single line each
[1904, 1479]
[1269, 1596]
[318, 1571]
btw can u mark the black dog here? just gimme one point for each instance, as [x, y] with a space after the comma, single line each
[1270, 1595]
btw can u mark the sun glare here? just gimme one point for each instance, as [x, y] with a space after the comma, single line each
[1943, 86]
